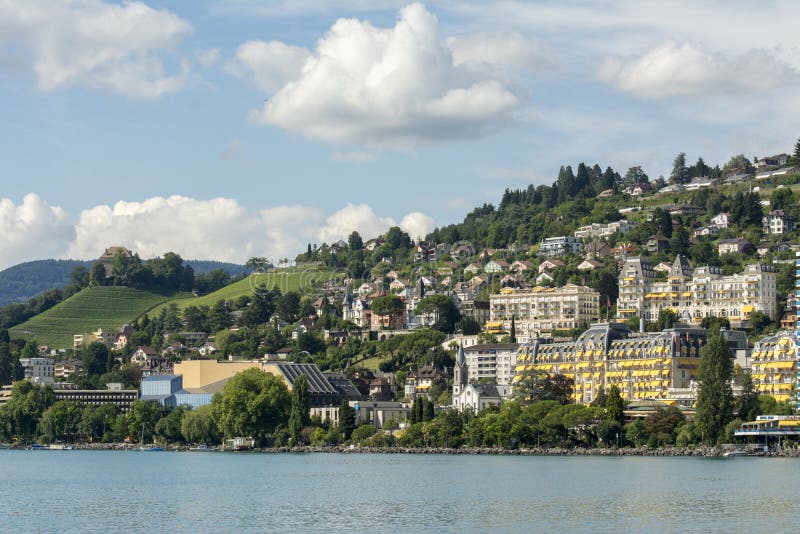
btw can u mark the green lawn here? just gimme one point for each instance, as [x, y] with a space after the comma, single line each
[372, 363]
[94, 307]
[301, 280]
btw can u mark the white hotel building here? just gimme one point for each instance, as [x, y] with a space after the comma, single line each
[696, 294]
[542, 310]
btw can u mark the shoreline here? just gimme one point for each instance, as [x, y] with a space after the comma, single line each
[702, 452]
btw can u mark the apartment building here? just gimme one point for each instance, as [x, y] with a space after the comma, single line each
[695, 294]
[542, 309]
[773, 364]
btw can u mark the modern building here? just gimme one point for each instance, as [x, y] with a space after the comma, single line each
[658, 366]
[495, 362]
[597, 230]
[542, 309]
[210, 376]
[39, 370]
[693, 295]
[121, 398]
[560, 246]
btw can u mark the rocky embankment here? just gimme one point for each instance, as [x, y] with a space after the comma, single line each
[707, 452]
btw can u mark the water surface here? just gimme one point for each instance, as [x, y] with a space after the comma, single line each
[93, 491]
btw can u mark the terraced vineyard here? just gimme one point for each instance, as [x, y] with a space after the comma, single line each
[94, 307]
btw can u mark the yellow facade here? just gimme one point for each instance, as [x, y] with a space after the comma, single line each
[774, 366]
[643, 367]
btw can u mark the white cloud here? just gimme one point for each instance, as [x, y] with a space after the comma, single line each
[268, 65]
[359, 217]
[218, 228]
[89, 43]
[417, 225]
[510, 49]
[688, 69]
[354, 156]
[385, 87]
[208, 57]
[32, 230]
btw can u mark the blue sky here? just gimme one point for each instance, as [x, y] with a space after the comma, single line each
[229, 129]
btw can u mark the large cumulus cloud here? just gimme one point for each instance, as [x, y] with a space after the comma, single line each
[397, 86]
[218, 228]
[90, 43]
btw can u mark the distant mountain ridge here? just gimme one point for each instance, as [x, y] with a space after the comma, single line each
[26, 280]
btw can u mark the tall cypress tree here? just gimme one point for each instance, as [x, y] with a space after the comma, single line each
[299, 416]
[715, 396]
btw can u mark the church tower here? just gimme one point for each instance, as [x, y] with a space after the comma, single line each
[460, 375]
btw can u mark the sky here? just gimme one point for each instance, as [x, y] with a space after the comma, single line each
[230, 129]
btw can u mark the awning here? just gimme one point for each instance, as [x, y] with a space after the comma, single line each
[749, 308]
[779, 365]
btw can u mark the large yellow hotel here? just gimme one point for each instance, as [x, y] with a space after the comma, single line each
[657, 366]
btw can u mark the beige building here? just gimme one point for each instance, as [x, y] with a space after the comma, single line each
[543, 309]
[693, 295]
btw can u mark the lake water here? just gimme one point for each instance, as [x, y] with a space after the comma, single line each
[86, 491]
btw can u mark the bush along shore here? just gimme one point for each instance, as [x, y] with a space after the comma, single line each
[707, 452]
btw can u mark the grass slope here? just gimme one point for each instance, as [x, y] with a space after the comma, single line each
[300, 280]
[94, 307]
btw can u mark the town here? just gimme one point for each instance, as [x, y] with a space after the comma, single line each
[599, 327]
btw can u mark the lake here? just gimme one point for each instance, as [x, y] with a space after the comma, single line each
[84, 491]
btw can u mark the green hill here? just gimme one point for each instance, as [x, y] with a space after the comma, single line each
[289, 279]
[94, 307]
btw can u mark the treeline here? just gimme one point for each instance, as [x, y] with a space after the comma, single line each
[356, 260]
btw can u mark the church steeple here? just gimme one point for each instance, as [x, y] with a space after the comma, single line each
[460, 374]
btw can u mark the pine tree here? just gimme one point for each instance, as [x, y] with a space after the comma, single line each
[513, 335]
[715, 396]
[679, 173]
[429, 410]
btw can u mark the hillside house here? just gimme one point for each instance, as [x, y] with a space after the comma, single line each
[738, 245]
[778, 222]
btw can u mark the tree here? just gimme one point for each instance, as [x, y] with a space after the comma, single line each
[715, 396]
[512, 336]
[680, 174]
[96, 421]
[666, 319]
[443, 310]
[747, 404]
[25, 407]
[797, 151]
[634, 176]
[198, 426]
[347, 420]
[354, 241]
[97, 276]
[141, 419]
[253, 403]
[301, 402]
[169, 426]
[387, 305]
[95, 359]
[615, 405]
[61, 421]
[535, 386]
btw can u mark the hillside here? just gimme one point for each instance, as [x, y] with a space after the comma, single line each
[94, 307]
[24, 281]
[289, 279]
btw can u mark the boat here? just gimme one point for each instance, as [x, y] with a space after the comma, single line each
[151, 449]
[200, 448]
[38, 447]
